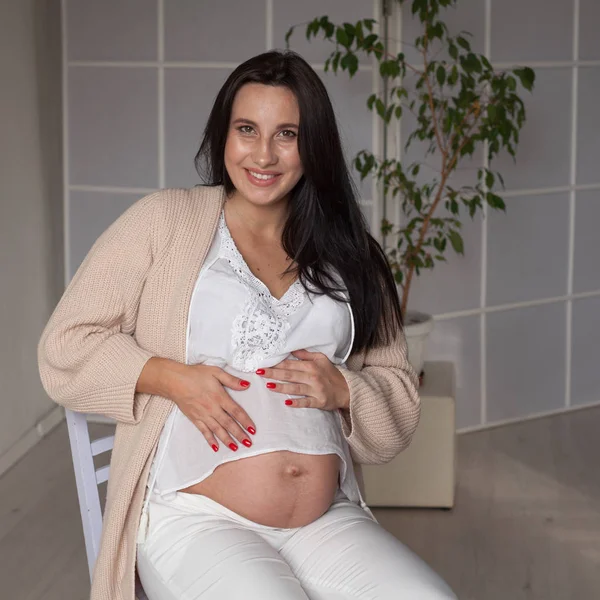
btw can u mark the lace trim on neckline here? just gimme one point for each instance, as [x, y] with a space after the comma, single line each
[287, 304]
[260, 330]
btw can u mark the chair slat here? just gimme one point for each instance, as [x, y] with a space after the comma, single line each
[102, 474]
[103, 444]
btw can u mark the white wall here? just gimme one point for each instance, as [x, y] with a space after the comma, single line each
[31, 275]
[514, 313]
[518, 314]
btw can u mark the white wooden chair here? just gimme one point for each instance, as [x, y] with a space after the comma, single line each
[88, 478]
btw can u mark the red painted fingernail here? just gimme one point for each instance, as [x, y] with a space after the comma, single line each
[244, 383]
[260, 371]
[215, 447]
[271, 386]
[233, 447]
[289, 402]
[247, 443]
[252, 430]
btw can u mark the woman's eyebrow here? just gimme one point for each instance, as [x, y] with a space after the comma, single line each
[249, 122]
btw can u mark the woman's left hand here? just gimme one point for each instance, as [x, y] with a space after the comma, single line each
[314, 377]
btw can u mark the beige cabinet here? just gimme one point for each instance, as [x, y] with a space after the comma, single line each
[424, 474]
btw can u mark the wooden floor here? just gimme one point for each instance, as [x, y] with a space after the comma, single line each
[526, 523]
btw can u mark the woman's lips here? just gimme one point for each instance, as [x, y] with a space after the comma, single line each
[261, 182]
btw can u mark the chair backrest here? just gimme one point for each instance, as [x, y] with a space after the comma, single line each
[88, 478]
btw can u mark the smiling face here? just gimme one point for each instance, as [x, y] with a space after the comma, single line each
[261, 151]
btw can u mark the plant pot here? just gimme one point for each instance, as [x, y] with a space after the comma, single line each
[417, 327]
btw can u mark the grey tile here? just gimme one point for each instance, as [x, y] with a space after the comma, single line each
[287, 13]
[525, 361]
[189, 97]
[466, 15]
[585, 375]
[349, 98]
[543, 153]
[458, 341]
[228, 30]
[113, 131]
[453, 285]
[586, 274]
[588, 126]
[111, 30]
[528, 249]
[532, 30]
[589, 23]
[90, 215]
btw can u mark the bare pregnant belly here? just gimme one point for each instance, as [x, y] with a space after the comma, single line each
[280, 489]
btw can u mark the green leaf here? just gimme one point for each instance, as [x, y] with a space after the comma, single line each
[370, 42]
[288, 35]
[456, 241]
[463, 43]
[336, 61]
[342, 37]
[489, 180]
[453, 51]
[441, 75]
[368, 23]
[350, 62]
[487, 63]
[495, 201]
[527, 77]
[453, 77]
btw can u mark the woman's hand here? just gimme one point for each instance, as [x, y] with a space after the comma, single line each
[198, 391]
[314, 377]
[201, 397]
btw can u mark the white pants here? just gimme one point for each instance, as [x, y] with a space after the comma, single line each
[198, 549]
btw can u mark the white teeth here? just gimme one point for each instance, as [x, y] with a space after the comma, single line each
[261, 176]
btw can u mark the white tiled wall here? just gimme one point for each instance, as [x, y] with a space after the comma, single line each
[141, 77]
[517, 313]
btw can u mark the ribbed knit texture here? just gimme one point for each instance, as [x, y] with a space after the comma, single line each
[129, 301]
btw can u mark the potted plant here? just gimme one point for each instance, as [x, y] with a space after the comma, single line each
[460, 104]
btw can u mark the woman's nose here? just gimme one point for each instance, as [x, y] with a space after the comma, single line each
[264, 154]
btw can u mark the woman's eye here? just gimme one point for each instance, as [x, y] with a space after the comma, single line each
[245, 129]
[288, 133]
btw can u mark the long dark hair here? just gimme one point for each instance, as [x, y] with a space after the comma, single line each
[325, 227]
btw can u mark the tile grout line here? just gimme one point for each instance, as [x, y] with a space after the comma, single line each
[572, 208]
[66, 165]
[484, 250]
[161, 93]
[375, 139]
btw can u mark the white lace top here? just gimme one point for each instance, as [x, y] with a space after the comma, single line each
[235, 323]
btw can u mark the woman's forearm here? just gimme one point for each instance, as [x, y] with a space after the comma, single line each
[160, 377]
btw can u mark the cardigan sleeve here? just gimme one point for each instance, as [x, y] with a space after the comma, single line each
[384, 404]
[88, 359]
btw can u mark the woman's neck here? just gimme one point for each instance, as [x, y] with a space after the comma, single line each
[260, 221]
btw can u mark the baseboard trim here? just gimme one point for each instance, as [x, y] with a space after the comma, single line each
[533, 417]
[31, 438]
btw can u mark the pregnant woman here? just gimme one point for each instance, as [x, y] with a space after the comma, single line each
[246, 337]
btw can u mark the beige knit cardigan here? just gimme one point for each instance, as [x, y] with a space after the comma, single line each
[128, 302]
